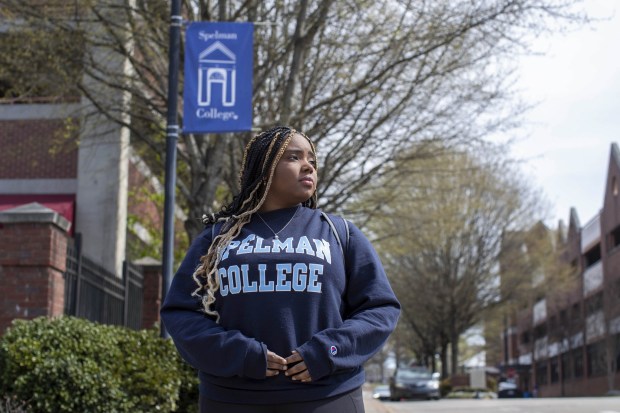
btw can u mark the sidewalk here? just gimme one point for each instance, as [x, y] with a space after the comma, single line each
[373, 406]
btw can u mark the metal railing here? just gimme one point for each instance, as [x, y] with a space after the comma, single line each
[96, 294]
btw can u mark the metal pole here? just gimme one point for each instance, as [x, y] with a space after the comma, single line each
[172, 135]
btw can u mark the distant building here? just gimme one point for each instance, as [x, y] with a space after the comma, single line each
[571, 346]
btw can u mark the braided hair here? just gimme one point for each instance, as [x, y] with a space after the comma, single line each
[261, 156]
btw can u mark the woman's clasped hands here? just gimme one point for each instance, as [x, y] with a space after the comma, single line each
[293, 366]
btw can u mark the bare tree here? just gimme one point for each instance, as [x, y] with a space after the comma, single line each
[364, 79]
[441, 236]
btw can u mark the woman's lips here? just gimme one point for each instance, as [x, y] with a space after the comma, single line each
[307, 181]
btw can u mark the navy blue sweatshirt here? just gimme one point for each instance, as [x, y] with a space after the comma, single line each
[291, 293]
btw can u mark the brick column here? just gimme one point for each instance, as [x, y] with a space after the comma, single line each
[151, 292]
[33, 248]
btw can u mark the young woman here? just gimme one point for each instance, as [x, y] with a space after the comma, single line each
[276, 314]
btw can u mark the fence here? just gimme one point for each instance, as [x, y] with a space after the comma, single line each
[96, 294]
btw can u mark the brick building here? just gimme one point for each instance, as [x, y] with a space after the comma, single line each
[571, 346]
[61, 157]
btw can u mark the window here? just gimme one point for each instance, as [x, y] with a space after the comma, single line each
[525, 337]
[541, 372]
[614, 186]
[566, 366]
[554, 328]
[597, 360]
[555, 369]
[594, 304]
[614, 238]
[578, 362]
[540, 331]
[576, 313]
[593, 255]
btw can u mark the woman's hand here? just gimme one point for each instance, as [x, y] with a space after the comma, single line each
[299, 371]
[275, 364]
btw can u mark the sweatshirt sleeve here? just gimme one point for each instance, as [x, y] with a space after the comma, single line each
[203, 343]
[371, 314]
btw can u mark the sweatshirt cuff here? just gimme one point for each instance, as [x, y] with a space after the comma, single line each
[255, 366]
[317, 358]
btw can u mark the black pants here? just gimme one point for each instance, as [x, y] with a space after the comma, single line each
[351, 402]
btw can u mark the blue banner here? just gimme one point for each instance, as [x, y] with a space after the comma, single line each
[217, 91]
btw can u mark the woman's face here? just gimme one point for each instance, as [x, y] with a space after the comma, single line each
[295, 178]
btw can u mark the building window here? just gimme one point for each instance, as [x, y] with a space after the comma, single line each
[566, 366]
[540, 331]
[554, 328]
[593, 255]
[578, 362]
[541, 373]
[555, 369]
[594, 304]
[597, 360]
[525, 337]
[576, 313]
[614, 186]
[614, 238]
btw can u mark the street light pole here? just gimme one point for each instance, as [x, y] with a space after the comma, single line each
[172, 136]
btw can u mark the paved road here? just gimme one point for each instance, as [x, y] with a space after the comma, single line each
[543, 405]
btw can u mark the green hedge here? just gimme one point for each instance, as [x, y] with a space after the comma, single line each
[69, 364]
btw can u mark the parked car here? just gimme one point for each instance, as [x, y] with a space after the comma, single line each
[414, 383]
[508, 390]
[381, 392]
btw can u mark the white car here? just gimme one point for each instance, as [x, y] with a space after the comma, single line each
[381, 392]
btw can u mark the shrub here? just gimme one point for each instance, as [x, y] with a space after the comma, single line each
[445, 387]
[491, 383]
[9, 405]
[69, 364]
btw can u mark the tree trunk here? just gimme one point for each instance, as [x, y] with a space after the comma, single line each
[444, 360]
[454, 353]
[285, 110]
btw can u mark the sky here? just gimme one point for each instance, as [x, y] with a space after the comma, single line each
[567, 138]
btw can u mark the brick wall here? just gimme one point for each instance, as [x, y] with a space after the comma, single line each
[592, 386]
[151, 291]
[33, 256]
[32, 263]
[37, 149]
